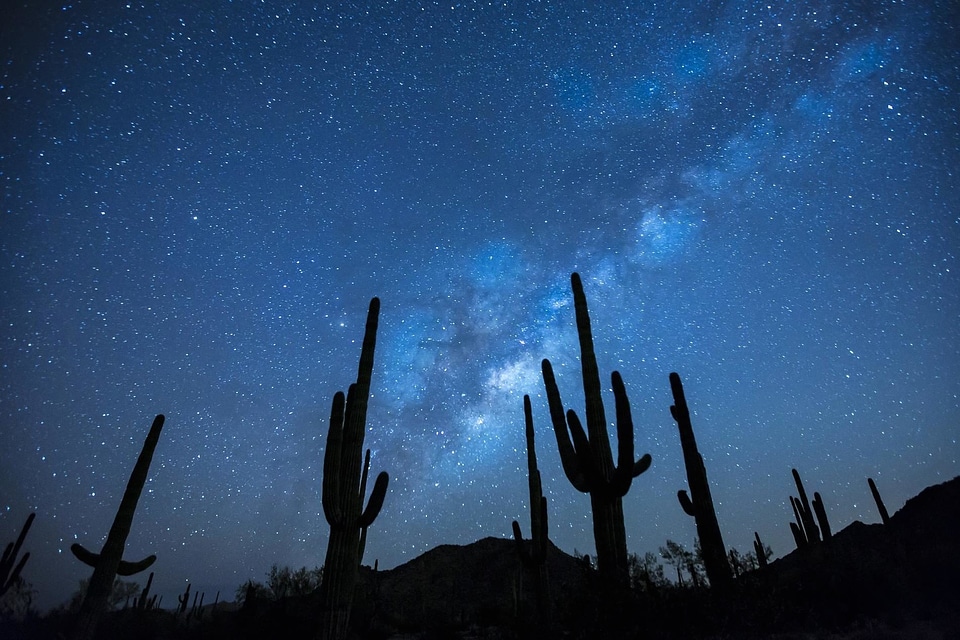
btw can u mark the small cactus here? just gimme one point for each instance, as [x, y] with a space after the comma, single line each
[884, 516]
[533, 553]
[184, 600]
[9, 571]
[143, 602]
[760, 550]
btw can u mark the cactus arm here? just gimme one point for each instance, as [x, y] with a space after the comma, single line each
[126, 568]
[627, 469]
[623, 474]
[518, 536]
[584, 453]
[14, 574]
[821, 512]
[685, 503]
[568, 453]
[375, 503]
[348, 494]
[84, 555]
[332, 509]
[642, 464]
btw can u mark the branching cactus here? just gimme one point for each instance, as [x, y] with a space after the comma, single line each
[804, 528]
[586, 455]
[533, 554]
[344, 488]
[9, 567]
[700, 505]
[109, 563]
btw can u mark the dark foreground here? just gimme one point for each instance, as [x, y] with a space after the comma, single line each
[899, 580]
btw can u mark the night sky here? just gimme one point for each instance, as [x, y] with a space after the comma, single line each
[200, 199]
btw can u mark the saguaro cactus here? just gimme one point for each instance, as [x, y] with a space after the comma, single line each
[533, 554]
[701, 505]
[587, 460]
[9, 567]
[805, 530]
[344, 488]
[109, 563]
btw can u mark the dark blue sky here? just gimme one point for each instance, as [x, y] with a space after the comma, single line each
[199, 200]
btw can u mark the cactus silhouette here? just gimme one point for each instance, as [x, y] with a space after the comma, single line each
[587, 459]
[821, 512]
[344, 488]
[144, 602]
[109, 563]
[882, 508]
[805, 530]
[700, 506]
[9, 567]
[184, 600]
[760, 550]
[533, 554]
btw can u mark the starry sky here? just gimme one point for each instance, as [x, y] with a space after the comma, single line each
[199, 200]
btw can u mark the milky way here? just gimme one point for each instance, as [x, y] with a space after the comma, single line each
[200, 199]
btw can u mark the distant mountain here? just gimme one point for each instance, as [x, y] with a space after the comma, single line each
[450, 587]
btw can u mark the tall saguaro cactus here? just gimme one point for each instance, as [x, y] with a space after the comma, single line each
[109, 563]
[700, 506]
[344, 486]
[534, 553]
[587, 459]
